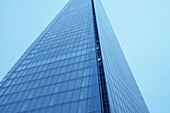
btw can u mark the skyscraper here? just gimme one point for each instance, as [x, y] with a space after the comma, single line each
[75, 66]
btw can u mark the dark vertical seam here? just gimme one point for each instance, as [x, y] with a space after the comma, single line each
[105, 107]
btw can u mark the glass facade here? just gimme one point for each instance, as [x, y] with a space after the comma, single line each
[123, 92]
[63, 70]
[58, 74]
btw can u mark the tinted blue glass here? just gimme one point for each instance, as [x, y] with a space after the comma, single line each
[58, 72]
[124, 95]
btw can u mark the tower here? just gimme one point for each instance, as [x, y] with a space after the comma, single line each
[75, 66]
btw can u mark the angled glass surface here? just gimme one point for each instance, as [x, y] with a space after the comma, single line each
[59, 73]
[123, 92]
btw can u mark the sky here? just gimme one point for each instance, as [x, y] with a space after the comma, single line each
[141, 26]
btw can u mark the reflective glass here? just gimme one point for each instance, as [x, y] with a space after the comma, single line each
[57, 72]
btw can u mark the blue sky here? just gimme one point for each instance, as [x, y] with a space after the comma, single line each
[141, 26]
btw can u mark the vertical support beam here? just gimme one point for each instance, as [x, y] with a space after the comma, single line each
[101, 75]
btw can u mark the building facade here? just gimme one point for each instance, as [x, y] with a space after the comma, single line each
[75, 66]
